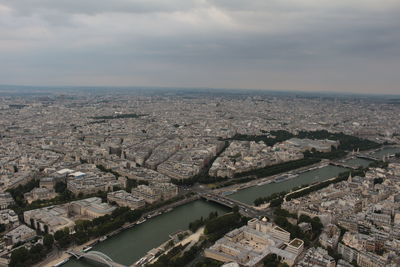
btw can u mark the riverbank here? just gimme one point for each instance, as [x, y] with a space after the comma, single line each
[49, 262]
[305, 188]
[161, 250]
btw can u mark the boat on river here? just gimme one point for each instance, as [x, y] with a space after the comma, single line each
[141, 221]
[86, 249]
[61, 262]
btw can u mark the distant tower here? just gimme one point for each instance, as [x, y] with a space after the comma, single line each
[350, 179]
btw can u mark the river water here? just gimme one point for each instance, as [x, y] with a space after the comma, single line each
[385, 152]
[132, 244]
[248, 195]
[357, 162]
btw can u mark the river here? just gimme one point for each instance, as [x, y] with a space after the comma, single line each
[132, 244]
[357, 162]
[385, 152]
[248, 195]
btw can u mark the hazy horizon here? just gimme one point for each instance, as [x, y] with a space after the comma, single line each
[302, 46]
[41, 88]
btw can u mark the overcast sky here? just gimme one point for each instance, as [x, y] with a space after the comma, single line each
[318, 45]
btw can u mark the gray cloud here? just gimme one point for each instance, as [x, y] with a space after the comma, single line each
[301, 45]
[28, 7]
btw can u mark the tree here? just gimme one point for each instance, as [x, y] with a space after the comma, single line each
[65, 241]
[316, 225]
[116, 188]
[133, 215]
[60, 187]
[276, 202]
[63, 237]
[271, 260]
[235, 209]
[223, 223]
[36, 254]
[48, 241]
[19, 257]
[82, 225]
[59, 235]
[81, 237]
[119, 211]
[304, 218]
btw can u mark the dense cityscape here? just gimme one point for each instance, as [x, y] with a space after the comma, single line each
[180, 177]
[199, 133]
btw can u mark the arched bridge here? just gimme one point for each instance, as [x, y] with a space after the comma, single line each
[96, 256]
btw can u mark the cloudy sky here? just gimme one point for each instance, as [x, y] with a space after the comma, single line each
[319, 45]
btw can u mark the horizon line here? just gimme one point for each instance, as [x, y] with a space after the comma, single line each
[200, 88]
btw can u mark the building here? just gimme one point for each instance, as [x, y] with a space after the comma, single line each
[379, 218]
[368, 259]
[265, 227]
[231, 264]
[317, 257]
[329, 238]
[125, 199]
[65, 172]
[349, 254]
[49, 219]
[9, 218]
[155, 192]
[308, 144]
[39, 194]
[54, 218]
[47, 182]
[144, 174]
[90, 208]
[91, 184]
[295, 246]
[6, 200]
[20, 234]
[343, 263]
[280, 234]
[147, 193]
[250, 244]
[167, 190]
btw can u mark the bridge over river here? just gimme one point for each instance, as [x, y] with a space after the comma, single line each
[244, 209]
[96, 256]
[344, 165]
